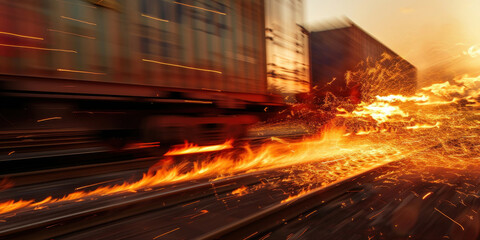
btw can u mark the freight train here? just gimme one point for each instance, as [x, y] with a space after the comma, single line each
[160, 70]
[351, 64]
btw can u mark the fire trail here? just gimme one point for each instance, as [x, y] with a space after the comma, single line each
[373, 134]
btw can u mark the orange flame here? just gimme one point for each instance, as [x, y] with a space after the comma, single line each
[240, 191]
[423, 126]
[296, 196]
[189, 148]
[274, 154]
[381, 112]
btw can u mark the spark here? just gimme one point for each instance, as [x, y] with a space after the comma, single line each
[376, 214]
[77, 20]
[187, 5]
[426, 195]
[166, 233]
[308, 215]
[190, 203]
[202, 212]
[450, 219]
[38, 48]
[251, 235]
[22, 36]
[10, 153]
[266, 236]
[182, 66]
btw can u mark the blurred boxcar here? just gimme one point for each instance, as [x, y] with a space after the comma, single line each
[164, 70]
[350, 63]
[288, 60]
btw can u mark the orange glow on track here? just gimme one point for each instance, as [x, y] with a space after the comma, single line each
[22, 36]
[271, 155]
[332, 155]
[163, 234]
[189, 148]
[240, 191]
[38, 48]
[296, 196]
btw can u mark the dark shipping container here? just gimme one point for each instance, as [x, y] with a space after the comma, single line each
[350, 63]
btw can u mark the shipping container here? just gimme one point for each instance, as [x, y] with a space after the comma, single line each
[350, 63]
[201, 44]
[118, 63]
[288, 60]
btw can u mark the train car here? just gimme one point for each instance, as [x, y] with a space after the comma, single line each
[350, 63]
[158, 69]
[288, 60]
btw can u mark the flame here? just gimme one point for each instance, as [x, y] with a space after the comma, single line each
[240, 191]
[423, 126]
[189, 148]
[296, 196]
[400, 98]
[330, 144]
[380, 111]
[335, 154]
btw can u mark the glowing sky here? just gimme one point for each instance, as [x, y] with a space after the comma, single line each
[425, 32]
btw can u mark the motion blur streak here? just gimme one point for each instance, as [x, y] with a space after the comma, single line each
[181, 66]
[77, 71]
[69, 33]
[76, 20]
[22, 36]
[38, 48]
[154, 18]
[189, 148]
[187, 5]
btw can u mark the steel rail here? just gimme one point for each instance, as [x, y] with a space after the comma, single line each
[277, 214]
[46, 227]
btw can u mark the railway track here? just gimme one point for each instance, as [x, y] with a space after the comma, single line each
[60, 221]
[47, 166]
[63, 220]
[261, 224]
